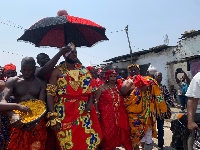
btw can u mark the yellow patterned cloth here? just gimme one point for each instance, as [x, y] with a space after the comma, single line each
[79, 130]
[142, 108]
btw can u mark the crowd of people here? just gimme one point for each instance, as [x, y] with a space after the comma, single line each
[87, 109]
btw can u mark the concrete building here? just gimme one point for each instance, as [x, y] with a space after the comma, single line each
[166, 58]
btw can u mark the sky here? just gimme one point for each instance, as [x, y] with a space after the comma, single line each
[148, 21]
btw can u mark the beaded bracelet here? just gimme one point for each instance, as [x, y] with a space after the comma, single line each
[51, 89]
[52, 114]
[53, 122]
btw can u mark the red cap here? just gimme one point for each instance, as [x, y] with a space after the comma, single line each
[9, 67]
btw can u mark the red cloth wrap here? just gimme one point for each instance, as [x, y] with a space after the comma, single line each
[72, 122]
[140, 81]
[25, 140]
[114, 135]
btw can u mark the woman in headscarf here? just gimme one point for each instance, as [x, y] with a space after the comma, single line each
[112, 114]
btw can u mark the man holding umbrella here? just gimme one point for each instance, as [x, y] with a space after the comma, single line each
[74, 118]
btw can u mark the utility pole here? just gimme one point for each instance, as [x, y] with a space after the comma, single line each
[126, 29]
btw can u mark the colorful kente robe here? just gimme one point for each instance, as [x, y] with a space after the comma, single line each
[142, 108]
[34, 139]
[114, 121]
[79, 130]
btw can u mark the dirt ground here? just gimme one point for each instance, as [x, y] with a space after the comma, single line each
[167, 134]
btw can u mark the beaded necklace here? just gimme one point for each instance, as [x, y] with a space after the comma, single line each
[115, 102]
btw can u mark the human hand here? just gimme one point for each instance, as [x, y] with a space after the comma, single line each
[23, 109]
[56, 126]
[98, 115]
[88, 107]
[65, 50]
[2, 85]
[30, 126]
[16, 121]
[134, 77]
[192, 126]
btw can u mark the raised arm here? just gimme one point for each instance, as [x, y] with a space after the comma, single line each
[186, 77]
[49, 66]
[177, 80]
[42, 95]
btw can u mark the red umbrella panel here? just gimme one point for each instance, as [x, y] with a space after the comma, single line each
[61, 30]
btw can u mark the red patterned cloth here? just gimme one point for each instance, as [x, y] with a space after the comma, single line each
[140, 81]
[29, 140]
[114, 134]
[79, 130]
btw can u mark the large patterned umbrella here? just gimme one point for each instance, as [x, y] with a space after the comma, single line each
[61, 30]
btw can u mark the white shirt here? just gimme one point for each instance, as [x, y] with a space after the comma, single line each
[194, 87]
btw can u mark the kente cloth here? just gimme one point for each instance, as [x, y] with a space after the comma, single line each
[142, 108]
[113, 121]
[34, 139]
[79, 130]
[5, 129]
[99, 82]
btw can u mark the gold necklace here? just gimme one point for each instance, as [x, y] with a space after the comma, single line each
[115, 103]
[72, 74]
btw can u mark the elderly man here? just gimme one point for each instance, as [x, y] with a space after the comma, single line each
[160, 119]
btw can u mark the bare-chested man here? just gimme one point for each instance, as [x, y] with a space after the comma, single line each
[26, 87]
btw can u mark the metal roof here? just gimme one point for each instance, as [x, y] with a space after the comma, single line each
[136, 54]
[190, 34]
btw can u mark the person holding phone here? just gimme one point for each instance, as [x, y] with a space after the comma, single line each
[183, 84]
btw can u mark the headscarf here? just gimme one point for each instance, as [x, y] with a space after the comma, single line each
[109, 72]
[9, 67]
[133, 65]
[90, 68]
[140, 81]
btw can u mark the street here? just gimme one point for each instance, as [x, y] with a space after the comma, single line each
[167, 134]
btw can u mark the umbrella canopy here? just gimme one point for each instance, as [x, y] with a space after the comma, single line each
[61, 30]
